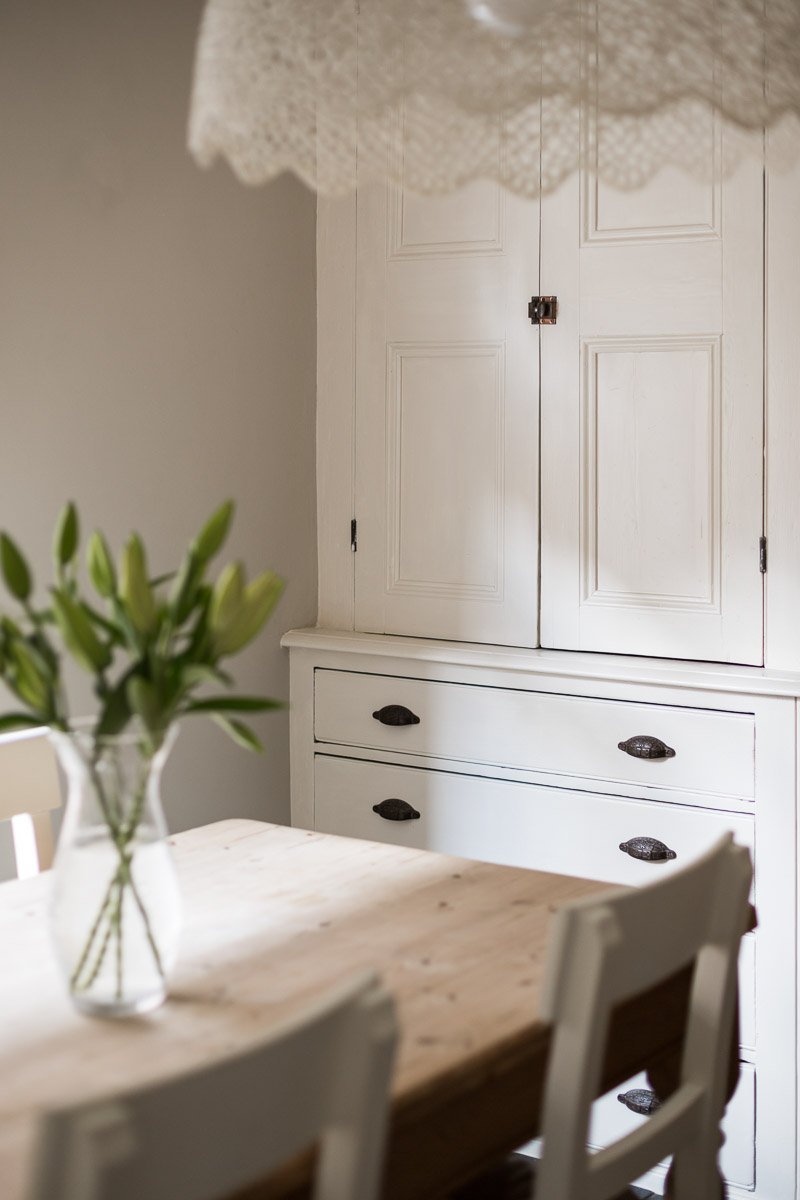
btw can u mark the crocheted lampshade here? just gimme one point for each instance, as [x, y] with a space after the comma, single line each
[444, 91]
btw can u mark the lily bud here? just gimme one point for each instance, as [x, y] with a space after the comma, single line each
[210, 538]
[65, 539]
[79, 635]
[134, 589]
[100, 565]
[16, 571]
[29, 682]
[258, 600]
[226, 601]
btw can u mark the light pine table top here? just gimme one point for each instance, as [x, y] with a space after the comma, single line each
[273, 915]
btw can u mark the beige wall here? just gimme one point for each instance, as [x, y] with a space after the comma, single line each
[157, 337]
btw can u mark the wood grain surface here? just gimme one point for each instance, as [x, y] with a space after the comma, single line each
[273, 915]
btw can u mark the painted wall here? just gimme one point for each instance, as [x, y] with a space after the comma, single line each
[157, 334]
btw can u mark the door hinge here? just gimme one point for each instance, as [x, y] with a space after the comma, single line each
[762, 555]
[353, 535]
[543, 310]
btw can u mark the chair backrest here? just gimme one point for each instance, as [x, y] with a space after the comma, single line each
[321, 1077]
[29, 791]
[606, 950]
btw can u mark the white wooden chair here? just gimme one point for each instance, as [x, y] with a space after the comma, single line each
[29, 792]
[606, 950]
[321, 1075]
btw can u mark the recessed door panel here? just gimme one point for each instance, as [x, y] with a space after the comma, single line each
[445, 461]
[671, 203]
[470, 221]
[651, 468]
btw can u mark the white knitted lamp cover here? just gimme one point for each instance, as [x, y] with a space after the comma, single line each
[440, 92]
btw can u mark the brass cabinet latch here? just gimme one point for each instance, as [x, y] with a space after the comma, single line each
[543, 310]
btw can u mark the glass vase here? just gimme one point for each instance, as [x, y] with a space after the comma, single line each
[115, 906]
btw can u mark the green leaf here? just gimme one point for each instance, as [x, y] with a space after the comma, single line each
[157, 580]
[234, 704]
[144, 701]
[183, 596]
[211, 537]
[15, 570]
[12, 721]
[40, 645]
[134, 589]
[78, 633]
[132, 639]
[196, 650]
[44, 616]
[195, 674]
[116, 712]
[41, 656]
[100, 565]
[186, 676]
[65, 539]
[8, 632]
[115, 634]
[241, 734]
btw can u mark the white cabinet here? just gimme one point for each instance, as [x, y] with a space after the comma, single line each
[519, 757]
[650, 385]
[596, 487]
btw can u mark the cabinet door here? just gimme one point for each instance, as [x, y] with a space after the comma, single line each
[652, 415]
[446, 490]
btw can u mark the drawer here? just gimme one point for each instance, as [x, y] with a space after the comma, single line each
[714, 752]
[519, 824]
[612, 1120]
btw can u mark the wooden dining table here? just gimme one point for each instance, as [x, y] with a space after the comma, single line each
[273, 915]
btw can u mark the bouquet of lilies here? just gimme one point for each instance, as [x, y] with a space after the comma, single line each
[150, 645]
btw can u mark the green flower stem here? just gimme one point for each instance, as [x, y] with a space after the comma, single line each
[101, 797]
[136, 817]
[118, 931]
[87, 949]
[98, 963]
[123, 878]
[147, 927]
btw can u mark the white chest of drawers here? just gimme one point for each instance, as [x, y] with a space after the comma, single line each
[543, 759]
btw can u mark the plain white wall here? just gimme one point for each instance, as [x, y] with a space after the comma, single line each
[157, 339]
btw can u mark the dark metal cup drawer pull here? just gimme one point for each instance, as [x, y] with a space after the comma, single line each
[647, 849]
[642, 745]
[396, 714]
[394, 809]
[640, 1100]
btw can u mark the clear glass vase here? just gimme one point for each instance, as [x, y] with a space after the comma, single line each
[115, 905]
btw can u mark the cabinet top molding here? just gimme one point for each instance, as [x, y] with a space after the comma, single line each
[756, 681]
